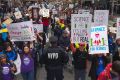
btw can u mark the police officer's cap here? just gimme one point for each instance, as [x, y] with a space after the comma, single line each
[53, 39]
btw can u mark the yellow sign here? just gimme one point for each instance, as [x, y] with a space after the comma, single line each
[8, 21]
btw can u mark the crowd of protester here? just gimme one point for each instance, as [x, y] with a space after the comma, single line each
[56, 56]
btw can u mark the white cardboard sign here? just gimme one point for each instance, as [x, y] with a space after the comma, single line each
[98, 43]
[22, 31]
[80, 27]
[101, 17]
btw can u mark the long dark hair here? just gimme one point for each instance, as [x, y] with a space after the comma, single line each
[29, 53]
[6, 45]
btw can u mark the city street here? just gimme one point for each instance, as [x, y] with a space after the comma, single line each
[41, 75]
[82, 37]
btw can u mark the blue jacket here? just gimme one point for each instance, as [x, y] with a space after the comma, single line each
[1, 52]
[11, 55]
[100, 65]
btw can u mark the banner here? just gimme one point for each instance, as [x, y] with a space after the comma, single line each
[98, 43]
[38, 27]
[118, 28]
[80, 27]
[101, 17]
[22, 31]
[18, 15]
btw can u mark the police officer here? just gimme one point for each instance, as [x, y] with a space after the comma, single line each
[54, 57]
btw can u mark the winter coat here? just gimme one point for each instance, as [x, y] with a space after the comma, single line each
[94, 67]
[11, 55]
[105, 75]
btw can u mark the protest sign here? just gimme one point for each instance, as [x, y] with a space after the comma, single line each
[84, 11]
[98, 43]
[18, 15]
[71, 6]
[45, 12]
[38, 27]
[80, 27]
[22, 31]
[118, 28]
[35, 13]
[101, 17]
[8, 21]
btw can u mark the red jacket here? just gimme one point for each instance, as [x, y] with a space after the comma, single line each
[105, 75]
[45, 21]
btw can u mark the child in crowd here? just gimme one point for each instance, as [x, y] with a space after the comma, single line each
[11, 55]
[27, 64]
[6, 69]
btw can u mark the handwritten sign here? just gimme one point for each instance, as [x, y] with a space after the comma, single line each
[118, 28]
[80, 27]
[98, 43]
[35, 13]
[22, 31]
[45, 12]
[8, 21]
[38, 27]
[101, 17]
[18, 15]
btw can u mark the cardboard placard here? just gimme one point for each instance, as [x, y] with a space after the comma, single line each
[98, 43]
[22, 31]
[101, 17]
[80, 28]
[38, 28]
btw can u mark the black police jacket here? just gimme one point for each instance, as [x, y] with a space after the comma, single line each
[54, 57]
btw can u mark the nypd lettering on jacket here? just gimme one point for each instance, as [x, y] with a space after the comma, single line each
[52, 55]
